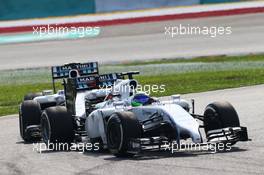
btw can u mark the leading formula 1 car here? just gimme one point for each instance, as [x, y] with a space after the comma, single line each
[34, 103]
[126, 121]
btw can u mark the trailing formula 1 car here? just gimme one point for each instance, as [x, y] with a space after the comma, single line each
[34, 103]
[126, 121]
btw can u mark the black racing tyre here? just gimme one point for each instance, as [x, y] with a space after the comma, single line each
[29, 114]
[121, 127]
[57, 128]
[98, 145]
[219, 115]
[31, 96]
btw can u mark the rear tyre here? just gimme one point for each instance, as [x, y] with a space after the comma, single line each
[57, 128]
[98, 145]
[121, 127]
[29, 114]
[31, 96]
[219, 115]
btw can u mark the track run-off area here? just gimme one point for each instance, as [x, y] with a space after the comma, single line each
[141, 41]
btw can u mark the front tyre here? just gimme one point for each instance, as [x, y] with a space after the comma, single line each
[29, 114]
[219, 115]
[121, 127]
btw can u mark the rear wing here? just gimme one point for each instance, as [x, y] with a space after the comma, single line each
[96, 82]
[84, 69]
[73, 85]
[108, 80]
[101, 81]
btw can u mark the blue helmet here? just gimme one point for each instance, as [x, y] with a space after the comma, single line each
[141, 98]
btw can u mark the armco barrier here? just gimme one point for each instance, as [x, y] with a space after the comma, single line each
[217, 1]
[21, 9]
[24, 9]
[120, 5]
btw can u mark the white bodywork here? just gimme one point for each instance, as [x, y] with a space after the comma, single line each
[171, 111]
[87, 95]
[48, 97]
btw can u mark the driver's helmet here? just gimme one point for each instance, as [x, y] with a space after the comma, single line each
[140, 99]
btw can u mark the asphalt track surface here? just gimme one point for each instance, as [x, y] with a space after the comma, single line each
[141, 41]
[244, 158]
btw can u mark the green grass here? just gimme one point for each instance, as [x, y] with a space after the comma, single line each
[179, 76]
[204, 81]
[208, 59]
[11, 96]
[180, 83]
